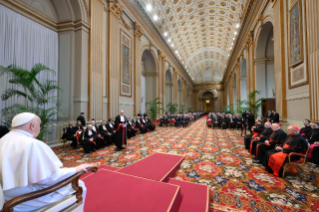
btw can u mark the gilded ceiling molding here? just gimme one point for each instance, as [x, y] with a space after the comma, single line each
[115, 8]
[138, 31]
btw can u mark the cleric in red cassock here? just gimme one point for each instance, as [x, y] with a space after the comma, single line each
[121, 130]
[275, 160]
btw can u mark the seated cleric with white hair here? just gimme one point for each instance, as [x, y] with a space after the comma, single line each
[28, 165]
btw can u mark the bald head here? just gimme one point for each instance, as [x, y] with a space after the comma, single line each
[33, 126]
[122, 112]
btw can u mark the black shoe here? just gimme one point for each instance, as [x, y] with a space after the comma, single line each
[257, 161]
[118, 149]
[93, 150]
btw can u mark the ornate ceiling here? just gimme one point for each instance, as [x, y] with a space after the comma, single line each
[201, 32]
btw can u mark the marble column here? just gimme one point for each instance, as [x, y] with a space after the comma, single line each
[280, 60]
[115, 9]
[175, 86]
[312, 26]
[96, 60]
[138, 32]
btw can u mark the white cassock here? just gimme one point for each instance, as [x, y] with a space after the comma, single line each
[27, 165]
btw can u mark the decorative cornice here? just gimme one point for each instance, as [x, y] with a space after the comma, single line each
[298, 95]
[138, 31]
[115, 8]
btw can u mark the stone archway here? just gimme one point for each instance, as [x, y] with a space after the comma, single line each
[207, 101]
[148, 78]
[264, 64]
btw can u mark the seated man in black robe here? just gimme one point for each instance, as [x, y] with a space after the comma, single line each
[163, 121]
[149, 123]
[231, 121]
[313, 154]
[274, 160]
[209, 120]
[237, 121]
[215, 121]
[100, 139]
[277, 137]
[105, 133]
[70, 134]
[260, 139]
[146, 125]
[110, 129]
[307, 130]
[185, 120]
[140, 125]
[131, 129]
[256, 130]
[90, 140]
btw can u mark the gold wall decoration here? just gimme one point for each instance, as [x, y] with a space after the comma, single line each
[126, 65]
[295, 35]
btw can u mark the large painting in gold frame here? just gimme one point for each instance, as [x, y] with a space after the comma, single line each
[126, 65]
[295, 34]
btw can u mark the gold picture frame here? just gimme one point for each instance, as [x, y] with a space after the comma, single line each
[295, 35]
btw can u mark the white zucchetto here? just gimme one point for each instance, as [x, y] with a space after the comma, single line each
[22, 118]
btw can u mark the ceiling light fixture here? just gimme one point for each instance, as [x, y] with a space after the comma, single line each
[233, 38]
[237, 26]
[155, 17]
[165, 34]
[149, 7]
[169, 40]
[172, 45]
[235, 33]
[176, 52]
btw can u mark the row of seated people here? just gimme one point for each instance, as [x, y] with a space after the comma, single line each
[225, 120]
[95, 137]
[180, 119]
[271, 145]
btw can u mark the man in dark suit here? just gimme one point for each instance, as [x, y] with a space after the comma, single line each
[244, 122]
[131, 130]
[251, 121]
[121, 130]
[90, 140]
[141, 126]
[81, 119]
[269, 115]
[275, 118]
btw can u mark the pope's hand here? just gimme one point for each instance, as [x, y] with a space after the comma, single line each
[82, 167]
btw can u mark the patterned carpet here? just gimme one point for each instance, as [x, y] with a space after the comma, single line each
[216, 158]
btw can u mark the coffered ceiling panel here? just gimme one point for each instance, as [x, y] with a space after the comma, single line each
[200, 32]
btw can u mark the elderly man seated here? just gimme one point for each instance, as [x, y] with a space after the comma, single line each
[277, 137]
[260, 139]
[275, 160]
[28, 165]
[257, 130]
[314, 142]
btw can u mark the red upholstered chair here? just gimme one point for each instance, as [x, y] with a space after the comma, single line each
[298, 163]
[78, 136]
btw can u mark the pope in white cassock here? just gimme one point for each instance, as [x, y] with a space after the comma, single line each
[27, 165]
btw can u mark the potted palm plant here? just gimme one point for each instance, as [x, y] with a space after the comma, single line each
[35, 94]
[182, 108]
[172, 108]
[154, 108]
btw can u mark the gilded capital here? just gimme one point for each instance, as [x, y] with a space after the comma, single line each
[115, 8]
[138, 31]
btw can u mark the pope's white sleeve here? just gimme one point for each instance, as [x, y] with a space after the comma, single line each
[58, 176]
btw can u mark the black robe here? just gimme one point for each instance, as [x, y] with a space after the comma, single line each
[3, 130]
[315, 155]
[131, 130]
[141, 127]
[121, 131]
[307, 131]
[247, 139]
[292, 144]
[82, 120]
[111, 130]
[150, 124]
[88, 145]
[275, 138]
[70, 134]
[265, 135]
[105, 134]
[314, 136]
